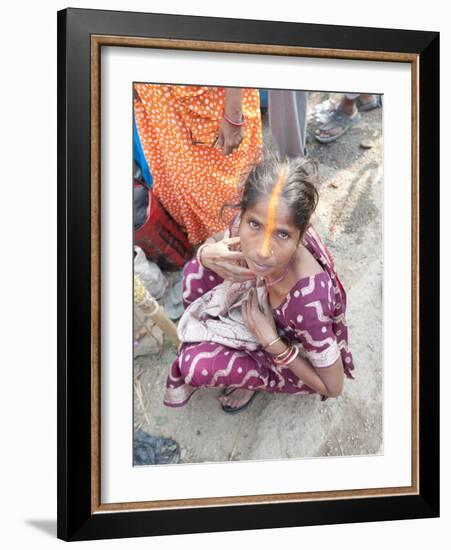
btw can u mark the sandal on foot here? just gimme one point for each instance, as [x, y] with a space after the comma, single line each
[228, 390]
[368, 105]
[234, 410]
[337, 119]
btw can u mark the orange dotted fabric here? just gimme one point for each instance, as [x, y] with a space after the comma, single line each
[177, 126]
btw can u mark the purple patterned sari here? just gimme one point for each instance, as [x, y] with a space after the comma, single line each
[218, 350]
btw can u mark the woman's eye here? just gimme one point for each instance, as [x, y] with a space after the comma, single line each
[282, 235]
[254, 225]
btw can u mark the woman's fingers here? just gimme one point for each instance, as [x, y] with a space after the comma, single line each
[232, 255]
[220, 141]
[257, 306]
[225, 261]
[253, 304]
[232, 240]
[252, 300]
[250, 312]
[265, 303]
[244, 312]
[238, 273]
[238, 270]
[228, 147]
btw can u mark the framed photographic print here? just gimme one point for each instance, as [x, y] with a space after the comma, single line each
[248, 274]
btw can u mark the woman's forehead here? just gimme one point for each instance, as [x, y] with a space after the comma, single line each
[283, 215]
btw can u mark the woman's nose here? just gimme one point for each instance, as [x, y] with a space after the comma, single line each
[263, 251]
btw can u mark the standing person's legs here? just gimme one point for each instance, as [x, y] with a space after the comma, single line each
[287, 114]
[345, 116]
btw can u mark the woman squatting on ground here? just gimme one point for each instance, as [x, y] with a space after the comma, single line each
[265, 309]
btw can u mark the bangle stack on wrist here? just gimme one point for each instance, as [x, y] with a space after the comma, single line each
[285, 357]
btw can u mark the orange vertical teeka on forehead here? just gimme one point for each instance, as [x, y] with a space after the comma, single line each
[272, 207]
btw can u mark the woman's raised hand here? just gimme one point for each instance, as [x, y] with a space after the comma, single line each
[219, 258]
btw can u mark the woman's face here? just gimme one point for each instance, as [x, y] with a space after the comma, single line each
[268, 241]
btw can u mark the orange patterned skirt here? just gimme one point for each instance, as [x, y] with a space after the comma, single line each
[178, 126]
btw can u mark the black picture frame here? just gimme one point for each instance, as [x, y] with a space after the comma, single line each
[77, 518]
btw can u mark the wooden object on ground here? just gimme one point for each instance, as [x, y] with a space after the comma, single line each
[152, 309]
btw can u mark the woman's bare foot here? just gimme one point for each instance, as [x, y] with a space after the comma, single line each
[237, 398]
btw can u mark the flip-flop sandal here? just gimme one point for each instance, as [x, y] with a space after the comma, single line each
[340, 120]
[227, 391]
[234, 410]
[368, 105]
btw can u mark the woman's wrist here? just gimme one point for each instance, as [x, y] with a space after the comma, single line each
[232, 103]
[239, 120]
[287, 356]
[279, 348]
[200, 254]
[274, 345]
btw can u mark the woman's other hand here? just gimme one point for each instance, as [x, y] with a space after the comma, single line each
[219, 258]
[230, 137]
[259, 320]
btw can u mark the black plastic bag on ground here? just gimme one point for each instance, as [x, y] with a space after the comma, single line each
[149, 449]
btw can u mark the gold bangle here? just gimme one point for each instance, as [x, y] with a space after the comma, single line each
[287, 357]
[283, 354]
[295, 354]
[294, 351]
[273, 342]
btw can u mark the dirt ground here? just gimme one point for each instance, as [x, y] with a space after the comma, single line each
[349, 218]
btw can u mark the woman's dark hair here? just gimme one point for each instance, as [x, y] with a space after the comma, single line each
[298, 190]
